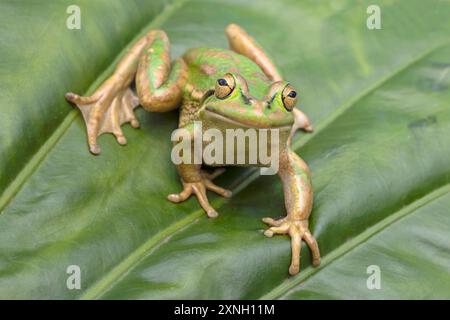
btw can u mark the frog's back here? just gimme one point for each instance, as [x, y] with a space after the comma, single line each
[206, 65]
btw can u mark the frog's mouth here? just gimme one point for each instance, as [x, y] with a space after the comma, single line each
[215, 116]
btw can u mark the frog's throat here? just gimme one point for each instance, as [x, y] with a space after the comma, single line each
[220, 117]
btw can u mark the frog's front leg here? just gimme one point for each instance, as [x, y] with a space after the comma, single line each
[298, 197]
[158, 87]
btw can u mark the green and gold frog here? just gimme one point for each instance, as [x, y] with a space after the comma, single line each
[223, 89]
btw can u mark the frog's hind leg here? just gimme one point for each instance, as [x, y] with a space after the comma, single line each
[302, 122]
[242, 43]
[113, 103]
[159, 83]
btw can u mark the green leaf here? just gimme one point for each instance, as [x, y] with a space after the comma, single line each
[380, 154]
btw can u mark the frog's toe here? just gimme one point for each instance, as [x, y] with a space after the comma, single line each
[95, 149]
[282, 229]
[309, 128]
[219, 190]
[77, 99]
[121, 139]
[211, 186]
[272, 222]
[135, 123]
[212, 213]
[313, 246]
[119, 136]
[182, 196]
[199, 189]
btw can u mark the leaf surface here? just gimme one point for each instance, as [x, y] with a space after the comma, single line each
[380, 154]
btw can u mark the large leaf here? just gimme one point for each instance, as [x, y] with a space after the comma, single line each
[380, 157]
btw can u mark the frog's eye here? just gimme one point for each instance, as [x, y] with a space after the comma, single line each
[224, 86]
[289, 97]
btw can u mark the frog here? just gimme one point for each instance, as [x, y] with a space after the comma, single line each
[238, 87]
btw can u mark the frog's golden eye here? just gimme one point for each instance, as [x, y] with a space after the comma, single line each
[289, 97]
[224, 86]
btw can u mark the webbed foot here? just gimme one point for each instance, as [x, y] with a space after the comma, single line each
[297, 230]
[106, 110]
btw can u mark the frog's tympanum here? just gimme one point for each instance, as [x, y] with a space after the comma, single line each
[236, 88]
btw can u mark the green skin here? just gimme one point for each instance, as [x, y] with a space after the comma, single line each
[256, 99]
[254, 102]
[236, 106]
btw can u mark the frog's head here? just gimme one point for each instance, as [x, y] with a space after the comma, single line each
[231, 103]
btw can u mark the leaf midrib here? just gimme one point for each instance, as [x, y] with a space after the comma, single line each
[125, 266]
